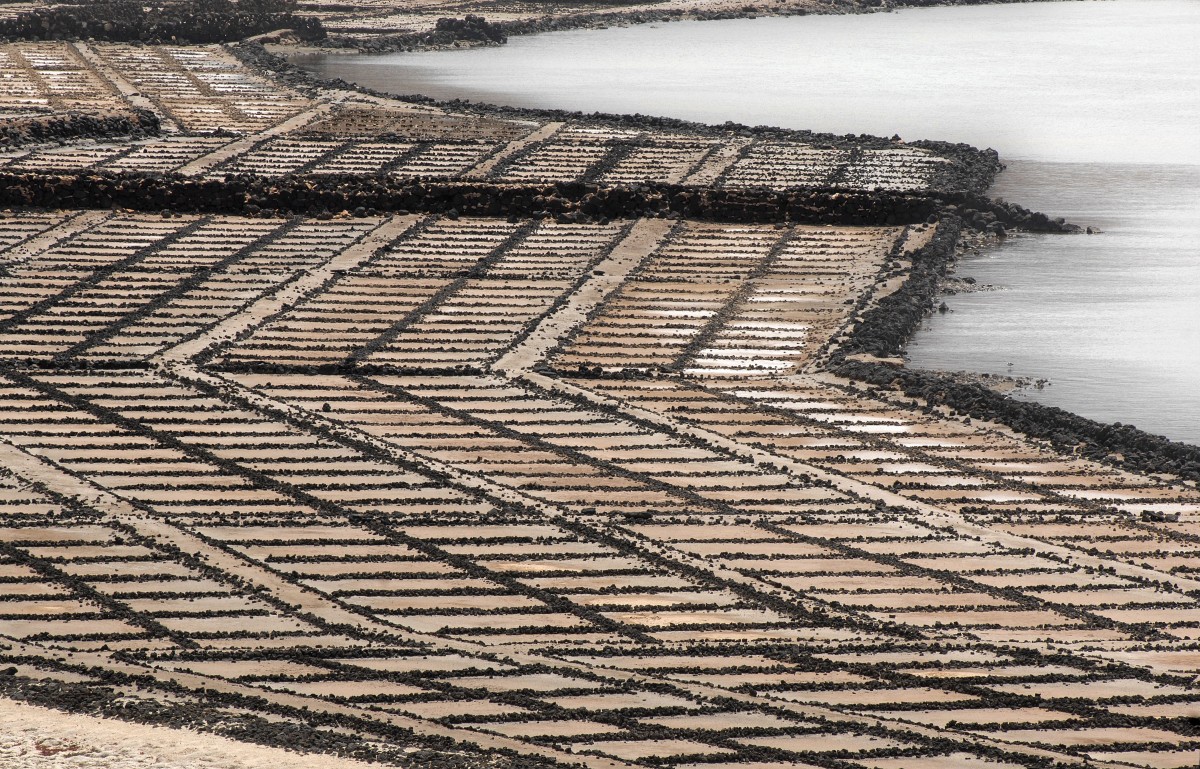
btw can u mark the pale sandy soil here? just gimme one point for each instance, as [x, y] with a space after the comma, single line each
[40, 738]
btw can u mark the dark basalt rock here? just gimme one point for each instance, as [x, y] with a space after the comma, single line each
[885, 328]
[324, 195]
[36, 129]
[191, 21]
[447, 32]
[471, 28]
[1122, 445]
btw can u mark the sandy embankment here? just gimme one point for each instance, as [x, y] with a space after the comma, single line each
[32, 737]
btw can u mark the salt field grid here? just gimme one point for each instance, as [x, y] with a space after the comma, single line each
[549, 491]
[220, 118]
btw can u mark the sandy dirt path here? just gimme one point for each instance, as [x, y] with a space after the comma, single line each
[33, 737]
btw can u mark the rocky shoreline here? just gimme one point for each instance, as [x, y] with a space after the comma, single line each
[883, 333]
[890, 324]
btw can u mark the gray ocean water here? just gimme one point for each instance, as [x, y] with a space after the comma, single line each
[1095, 107]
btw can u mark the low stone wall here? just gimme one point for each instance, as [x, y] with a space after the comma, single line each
[316, 194]
[38, 129]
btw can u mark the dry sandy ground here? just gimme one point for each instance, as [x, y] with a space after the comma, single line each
[41, 738]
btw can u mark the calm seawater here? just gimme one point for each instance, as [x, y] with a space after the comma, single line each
[1095, 106]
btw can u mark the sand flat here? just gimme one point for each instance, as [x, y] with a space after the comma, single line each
[40, 738]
